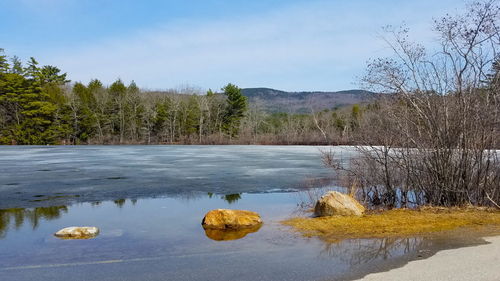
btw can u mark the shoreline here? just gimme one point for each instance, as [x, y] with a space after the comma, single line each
[397, 223]
[176, 144]
[479, 262]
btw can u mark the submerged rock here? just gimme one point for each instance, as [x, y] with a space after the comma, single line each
[230, 234]
[337, 203]
[230, 219]
[78, 232]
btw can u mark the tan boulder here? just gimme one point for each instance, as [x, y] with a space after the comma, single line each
[78, 232]
[336, 203]
[230, 219]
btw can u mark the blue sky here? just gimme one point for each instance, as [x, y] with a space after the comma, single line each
[289, 45]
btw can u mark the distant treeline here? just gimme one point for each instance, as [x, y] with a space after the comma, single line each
[38, 106]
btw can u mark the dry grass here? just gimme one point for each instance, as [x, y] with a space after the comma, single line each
[397, 222]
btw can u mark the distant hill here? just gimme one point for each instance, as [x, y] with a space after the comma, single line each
[273, 100]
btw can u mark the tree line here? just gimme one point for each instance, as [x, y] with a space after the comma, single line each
[39, 105]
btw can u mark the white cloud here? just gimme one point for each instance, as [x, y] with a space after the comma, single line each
[311, 46]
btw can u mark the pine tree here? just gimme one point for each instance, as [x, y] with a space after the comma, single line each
[235, 109]
[4, 65]
[17, 66]
[34, 103]
[118, 92]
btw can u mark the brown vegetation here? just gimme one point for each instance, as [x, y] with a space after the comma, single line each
[395, 223]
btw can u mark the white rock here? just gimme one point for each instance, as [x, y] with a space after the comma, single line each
[78, 232]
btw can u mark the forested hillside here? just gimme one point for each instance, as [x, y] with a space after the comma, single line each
[302, 102]
[38, 105]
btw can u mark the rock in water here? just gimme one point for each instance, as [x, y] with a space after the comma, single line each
[230, 219]
[78, 232]
[337, 203]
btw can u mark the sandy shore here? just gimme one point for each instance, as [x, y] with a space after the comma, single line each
[479, 263]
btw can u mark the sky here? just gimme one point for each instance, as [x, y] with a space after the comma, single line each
[294, 45]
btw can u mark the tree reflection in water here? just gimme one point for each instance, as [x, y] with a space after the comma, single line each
[232, 198]
[17, 217]
[362, 251]
[229, 198]
[120, 202]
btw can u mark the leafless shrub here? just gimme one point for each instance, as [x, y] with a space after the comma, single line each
[434, 138]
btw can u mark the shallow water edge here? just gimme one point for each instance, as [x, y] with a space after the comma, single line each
[162, 239]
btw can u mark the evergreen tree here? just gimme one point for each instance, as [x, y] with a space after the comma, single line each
[51, 75]
[134, 112]
[13, 89]
[235, 109]
[32, 103]
[84, 120]
[4, 65]
[118, 92]
[355, 116]
[17, 66]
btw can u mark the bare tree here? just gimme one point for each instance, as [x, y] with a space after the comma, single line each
[434, 137]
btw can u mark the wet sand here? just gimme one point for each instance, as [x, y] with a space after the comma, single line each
[479, 263]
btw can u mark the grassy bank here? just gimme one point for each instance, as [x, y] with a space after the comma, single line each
[397, 222]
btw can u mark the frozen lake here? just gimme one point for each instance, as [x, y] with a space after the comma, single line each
[42, 176]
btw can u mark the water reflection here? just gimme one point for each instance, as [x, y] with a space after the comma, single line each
[363, 251]
[230, 234]
[120, 202]
[167, 234]
[232, 198]
[18, 217]
[229, 198]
